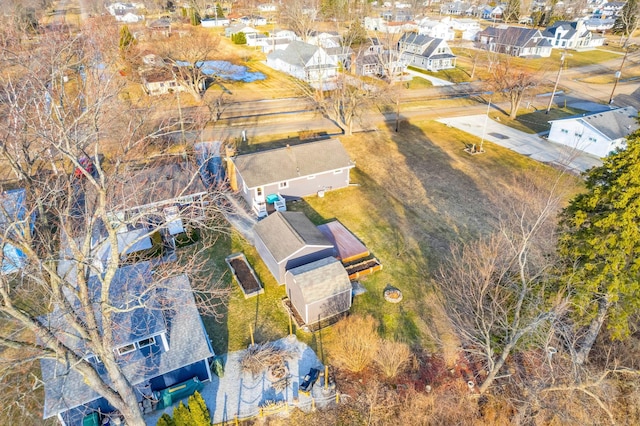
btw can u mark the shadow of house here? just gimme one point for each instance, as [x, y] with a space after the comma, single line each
[293, 171]
[286, 240]
[158, 341]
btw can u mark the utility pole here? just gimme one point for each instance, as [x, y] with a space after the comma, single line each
[618, 75]
[555, 86]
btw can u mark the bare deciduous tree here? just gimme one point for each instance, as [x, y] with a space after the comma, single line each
[513, 82]
[186, 58]
[80, 154]
[495, 289]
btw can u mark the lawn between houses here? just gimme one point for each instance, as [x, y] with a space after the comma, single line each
[415, 197]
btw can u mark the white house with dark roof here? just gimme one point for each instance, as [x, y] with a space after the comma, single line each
[319, 290]
[436, 29]
[599, 133]
[305, 62]
[287, 240]
[293, 171]
[159, 341]
[514, 41]
[426, 52]
[572, 35]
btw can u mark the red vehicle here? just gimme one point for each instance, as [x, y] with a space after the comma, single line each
[86, 165]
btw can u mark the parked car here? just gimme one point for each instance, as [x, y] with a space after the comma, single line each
[309, 380]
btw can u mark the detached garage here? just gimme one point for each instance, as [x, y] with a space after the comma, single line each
[319, 290]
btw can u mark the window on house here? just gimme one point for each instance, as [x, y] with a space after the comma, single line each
[283, 185]
[578, 134]
[564, 131]
[146, 342]
[259, 191]
[122, 350]
[593, 140]
[337, 172]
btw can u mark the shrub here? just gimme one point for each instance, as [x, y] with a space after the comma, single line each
[355, 343]
[393, 357]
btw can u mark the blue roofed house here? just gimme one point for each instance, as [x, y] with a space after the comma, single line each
[294, 171]
[13, 219]
[159, 340]
[426, 52]
[599, 133]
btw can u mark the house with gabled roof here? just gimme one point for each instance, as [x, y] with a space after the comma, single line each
[239, 28]
[287, 240]
[599, 133]
[319, 290]
[158, 339]
[426, 52]
[514, 41]
[572, 35]
[292, 172]
[305, 62]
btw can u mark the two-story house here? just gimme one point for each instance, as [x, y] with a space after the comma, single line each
[158, 341]
[432, 54]
[305, 62]
[572, 35]
[514, 41]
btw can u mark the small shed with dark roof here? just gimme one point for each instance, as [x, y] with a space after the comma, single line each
[286, 240]
[319, 290]
[599, 133]
[293, 171]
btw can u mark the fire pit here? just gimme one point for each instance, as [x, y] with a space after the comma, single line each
[392, 294]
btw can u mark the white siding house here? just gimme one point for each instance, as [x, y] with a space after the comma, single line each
[599, 133]
[306, 62]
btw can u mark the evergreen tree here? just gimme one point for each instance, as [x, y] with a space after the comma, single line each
[126, 38]
[219, 11]
[166, 420]
[182, 416]
[239, 38]
[194, 17]
[600, 244]
[199, 412]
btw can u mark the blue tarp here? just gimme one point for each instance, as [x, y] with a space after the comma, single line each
[227, 71]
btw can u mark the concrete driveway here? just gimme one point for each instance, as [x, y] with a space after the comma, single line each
[532, 146]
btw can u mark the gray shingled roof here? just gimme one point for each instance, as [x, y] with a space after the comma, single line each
[297, 53]
[321, 279]
[614, 124]
[285, 233]
[188, 343]
[277, 165]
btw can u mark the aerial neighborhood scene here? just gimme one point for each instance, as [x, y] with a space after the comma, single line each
[319, 212]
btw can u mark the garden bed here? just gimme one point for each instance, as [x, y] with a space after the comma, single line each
[361, 268]
[244, 275]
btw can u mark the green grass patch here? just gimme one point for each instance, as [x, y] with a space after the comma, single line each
[455, 75]
[535, 121]
[419, 83]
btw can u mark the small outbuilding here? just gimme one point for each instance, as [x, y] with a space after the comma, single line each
[286, 240]
[319, 290]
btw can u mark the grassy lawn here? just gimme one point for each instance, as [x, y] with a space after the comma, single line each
[419, 83]
[456, 75]
[409, 205]
[534, 121]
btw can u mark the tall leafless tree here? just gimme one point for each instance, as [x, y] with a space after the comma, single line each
[80, 153]
[494, 290]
